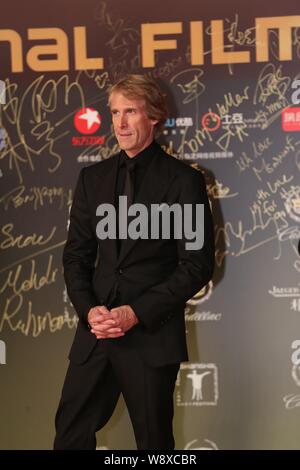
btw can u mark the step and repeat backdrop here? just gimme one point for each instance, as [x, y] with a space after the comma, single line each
[231, 74]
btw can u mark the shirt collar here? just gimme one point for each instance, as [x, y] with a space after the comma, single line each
[141, 159]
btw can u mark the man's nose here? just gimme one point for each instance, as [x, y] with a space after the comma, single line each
[123, 121]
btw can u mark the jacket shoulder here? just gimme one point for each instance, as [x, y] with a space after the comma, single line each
[180, 167]
[98, 167]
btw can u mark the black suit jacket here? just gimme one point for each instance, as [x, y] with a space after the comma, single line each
[155, 277]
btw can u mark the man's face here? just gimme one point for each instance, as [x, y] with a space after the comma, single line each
[134, 130]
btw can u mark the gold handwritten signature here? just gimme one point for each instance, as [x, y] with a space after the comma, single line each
[268, 167]
[35, 121]
[271, 93]
[35, 324]
[23, 241]
[18, 315]
[267, 221]
[271, 82]
[18, 281]
[189, 83]
[124, 36]
[218, 191]
[37, 196]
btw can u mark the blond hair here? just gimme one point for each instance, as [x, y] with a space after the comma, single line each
[134, 86]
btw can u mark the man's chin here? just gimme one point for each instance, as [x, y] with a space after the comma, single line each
[124, 146]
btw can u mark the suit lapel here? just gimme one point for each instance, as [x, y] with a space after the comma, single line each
[106, 183]
[152, 190]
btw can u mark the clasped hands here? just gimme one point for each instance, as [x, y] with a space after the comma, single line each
[112, 323]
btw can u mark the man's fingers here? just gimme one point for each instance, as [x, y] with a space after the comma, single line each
[101, 330]
[112, 335]
[106, 323]
[102, 316]
[101, 321]
[98, 312]
[115, 312]
[102, 309]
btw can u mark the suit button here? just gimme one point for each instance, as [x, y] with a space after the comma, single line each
[120, 271]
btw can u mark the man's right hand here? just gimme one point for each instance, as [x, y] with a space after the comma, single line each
[102, 323]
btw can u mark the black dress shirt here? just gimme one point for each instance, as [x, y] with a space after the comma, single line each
[142, 161]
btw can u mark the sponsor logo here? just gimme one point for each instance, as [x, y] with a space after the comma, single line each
[203, 155]
[211, 121]
[292, 202]
[202, 316]
[291, 119]
[238, 119]
[197, 385]
[174, 125]
[207, 444]
[79, 141]
[284, 291]
[292, 400]
[233, 119]
[179, 122]
[203, 294]
[295, 305]
[87, 121]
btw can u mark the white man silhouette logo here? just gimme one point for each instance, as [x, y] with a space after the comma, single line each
[197, 382]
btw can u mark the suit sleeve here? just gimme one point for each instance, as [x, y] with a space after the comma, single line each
[80, 253]
[195, 267]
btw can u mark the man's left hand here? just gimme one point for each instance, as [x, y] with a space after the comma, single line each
[123, 316]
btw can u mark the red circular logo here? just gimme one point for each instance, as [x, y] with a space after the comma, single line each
[211, 121]
[87, 121]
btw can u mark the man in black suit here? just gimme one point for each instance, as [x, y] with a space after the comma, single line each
[130, 293]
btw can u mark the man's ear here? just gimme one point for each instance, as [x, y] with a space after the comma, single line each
[154, 121]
